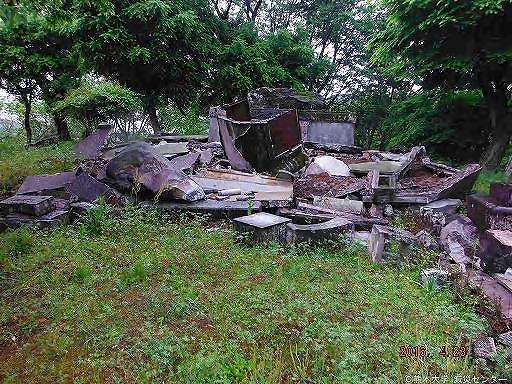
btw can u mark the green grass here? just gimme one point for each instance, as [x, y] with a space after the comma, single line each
[152, 300]
[149, 299]
[485, 179]
[17, 162]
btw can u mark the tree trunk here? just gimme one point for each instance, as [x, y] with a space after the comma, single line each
[153, 119]
[498, 141]
[62, 127]
[28, 128]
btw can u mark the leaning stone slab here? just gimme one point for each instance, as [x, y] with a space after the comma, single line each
[261, 227]
[326, 231]
[389, 244]
[54, 185]
[88, 189]
[90, 147]
[27, 204]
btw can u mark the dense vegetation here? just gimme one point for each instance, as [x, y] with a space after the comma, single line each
[429, 72]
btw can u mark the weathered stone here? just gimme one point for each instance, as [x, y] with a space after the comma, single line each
[53, 185]
[261, 227]
[206, 156]
[389, 244]
[427, 240]
[460, 239]
[484, 347]
[326, 231]
[493, 291]
[388, 210]
[362, 237]
[445, 206]
[138, 165]
[329, 165]
[496, 250]
[506, 339]
[27, 204]
[437, 277]
[77, 210]
[49, 220]
[331, 132]
[324, 185]
[230, 192]
[485, 213]
[170, 150]
[90, 147]
[88, 189]
[344, 205]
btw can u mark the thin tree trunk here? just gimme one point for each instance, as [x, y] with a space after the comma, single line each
[28, 128]
[62, 127]
[499, 139]
[153, 119]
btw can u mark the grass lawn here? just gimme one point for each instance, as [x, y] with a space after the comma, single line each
[145, 298]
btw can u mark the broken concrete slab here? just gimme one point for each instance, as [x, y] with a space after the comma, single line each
[384, 167]
[54, 185]
[344, 205]
[327, 231]
[90, 147]
[388, 244]
[261, 227]
[335, 148]
[496, 250]
[360, 222]
[329, 165]
[88, 189]
[214, 208]
[49, 220]
[302, 217]
[27, 204]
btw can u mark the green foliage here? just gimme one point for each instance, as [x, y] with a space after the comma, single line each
[16, 162]
[191, 122]
[97, 219]
[98, 101]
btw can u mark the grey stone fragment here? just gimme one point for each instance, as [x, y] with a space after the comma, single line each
[261, 227]
[460, 239]
[445, 206]
[27, 204]
[331, 132]
[329, 165]
[484, 347]
[326, 231]
[49, 220]
[506, 339]
[185, 163]
[437, 277]
[427, 240]
[389, 244]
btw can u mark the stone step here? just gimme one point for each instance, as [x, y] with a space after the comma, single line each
[27, 204]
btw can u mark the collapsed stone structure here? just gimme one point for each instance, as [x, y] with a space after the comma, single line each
[286, 169]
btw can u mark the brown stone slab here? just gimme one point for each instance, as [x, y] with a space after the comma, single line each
[46, 183]
[27, 204]
[494, 291]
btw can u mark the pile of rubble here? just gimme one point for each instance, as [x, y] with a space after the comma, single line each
[286, 169]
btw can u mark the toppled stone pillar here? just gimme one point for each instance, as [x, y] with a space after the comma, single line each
[326, 231]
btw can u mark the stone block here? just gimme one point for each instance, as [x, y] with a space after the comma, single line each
[27, 204]
[261, 227]
[484, 347]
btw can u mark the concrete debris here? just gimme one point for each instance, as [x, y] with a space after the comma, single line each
[328, 165]
[484, 347]
[213, 208]
[327, 231]
[230, 192]
[493, 211]
[261, 227]
[324, 185]
[438, 278]
[493, 291]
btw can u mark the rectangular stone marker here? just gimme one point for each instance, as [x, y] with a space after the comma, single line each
[27, 204]
[331, 132]
[261, 227]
